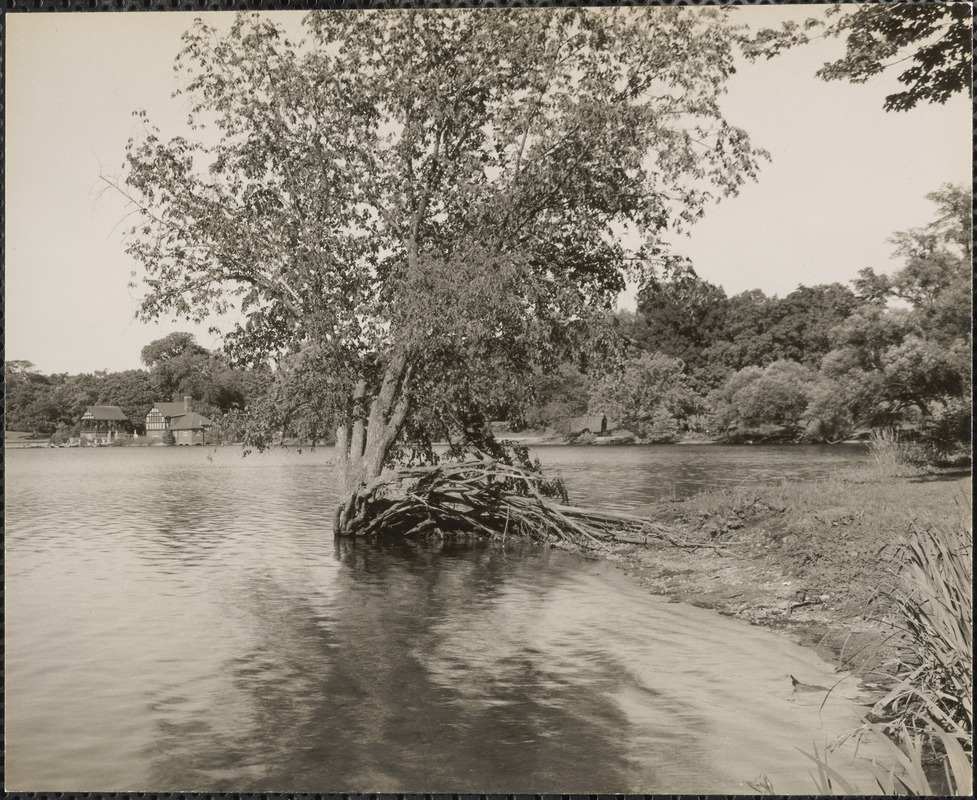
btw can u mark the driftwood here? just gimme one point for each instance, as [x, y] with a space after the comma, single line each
[498, 500]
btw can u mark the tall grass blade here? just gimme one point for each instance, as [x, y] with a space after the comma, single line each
[959, 770]
[828, 777]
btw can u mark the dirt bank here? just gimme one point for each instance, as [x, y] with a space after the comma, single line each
[815, 559]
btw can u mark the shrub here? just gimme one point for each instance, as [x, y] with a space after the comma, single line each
[949, 431]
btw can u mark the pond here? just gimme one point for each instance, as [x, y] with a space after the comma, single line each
[182, 619]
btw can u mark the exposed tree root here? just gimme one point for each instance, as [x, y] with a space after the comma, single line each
[496, 500]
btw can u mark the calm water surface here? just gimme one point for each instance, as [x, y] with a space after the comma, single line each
[182, 619]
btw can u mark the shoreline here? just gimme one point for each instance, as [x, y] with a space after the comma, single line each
[813, 559]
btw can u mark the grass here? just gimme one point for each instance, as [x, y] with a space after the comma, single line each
[925, 722]
[838, 536]
[929, 712]
[936, 609]
[891, 454]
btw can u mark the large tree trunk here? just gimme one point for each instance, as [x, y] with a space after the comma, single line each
[363, 446]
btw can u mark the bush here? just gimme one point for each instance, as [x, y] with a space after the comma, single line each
[949, 431]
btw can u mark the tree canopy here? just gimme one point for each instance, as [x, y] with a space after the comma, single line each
[921, 356]
[413, 209]
[649, 396]
[935, 37]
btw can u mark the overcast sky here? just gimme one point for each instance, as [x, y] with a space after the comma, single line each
[844, 176]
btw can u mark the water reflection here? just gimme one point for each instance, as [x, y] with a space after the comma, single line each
[221, 640]
[419, 676]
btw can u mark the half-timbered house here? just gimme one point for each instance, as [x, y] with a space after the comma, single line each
[161, 417]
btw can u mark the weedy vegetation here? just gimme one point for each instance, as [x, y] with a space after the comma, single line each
[892, 454]
[925, 723]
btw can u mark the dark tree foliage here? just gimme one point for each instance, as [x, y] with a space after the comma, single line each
[802, 321]
[179, 367]
[48, 404]
[169, 347]
[28, 402]
[132, 391]
[45, 404]
[558, 398]
[934, 37]
[681, 315]
[760, 330]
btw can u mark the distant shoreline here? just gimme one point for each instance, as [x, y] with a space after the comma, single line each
[525, 440]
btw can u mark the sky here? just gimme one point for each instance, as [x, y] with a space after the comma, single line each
[844, 176]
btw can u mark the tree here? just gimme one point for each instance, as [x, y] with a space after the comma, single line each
[29, 402]
[132, 391]
[175, 362]
[918, 372]
[894, 359]
[558, 398]
[760, 330]
[802, 321]
[174, 345]
[650, 396]
[413, 211]
[936, 279]
[934, 36]
[682, 315]
[828, 416]
[743, 343]
[862, 341]
[768, 402]
[179, 367]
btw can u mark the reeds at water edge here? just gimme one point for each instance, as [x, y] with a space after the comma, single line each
[925, 723]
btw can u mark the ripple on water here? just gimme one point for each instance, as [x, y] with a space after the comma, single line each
[182, 619]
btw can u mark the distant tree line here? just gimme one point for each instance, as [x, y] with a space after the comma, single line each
[176, 367]
[816, 365]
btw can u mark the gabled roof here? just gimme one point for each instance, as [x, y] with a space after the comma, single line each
[191, 421]
[170, 409]
[107, 413]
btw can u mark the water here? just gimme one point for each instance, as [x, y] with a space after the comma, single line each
[624, 478]
[182, 619]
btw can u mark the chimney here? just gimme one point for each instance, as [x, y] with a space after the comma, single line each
[186, 404]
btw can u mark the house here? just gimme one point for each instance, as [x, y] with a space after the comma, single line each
[161, 417]
[190, 428]
[104, 424]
